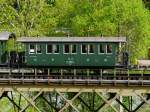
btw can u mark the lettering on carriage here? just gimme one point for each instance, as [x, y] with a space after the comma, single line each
[70, 61]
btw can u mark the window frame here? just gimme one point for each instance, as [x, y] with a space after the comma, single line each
[86, 49]
[52, 45]
[64, 49]
[40, 48]
[56, 48]
[47, 48]
[104, 46]
[29, 48]
[71, 46]
[107, 50]
[89, 49]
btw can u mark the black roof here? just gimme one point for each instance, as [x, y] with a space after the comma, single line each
[71, 39]
[4, 36]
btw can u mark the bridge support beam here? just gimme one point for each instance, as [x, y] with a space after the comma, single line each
[69, 102]
[89, 99]
[30, 100]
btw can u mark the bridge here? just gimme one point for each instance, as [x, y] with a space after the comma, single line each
[110, 87]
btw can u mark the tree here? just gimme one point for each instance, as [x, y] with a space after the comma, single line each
[80, 18]
[28, 17]
[111, 18]
[147, 3]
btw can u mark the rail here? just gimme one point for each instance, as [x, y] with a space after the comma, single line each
[15, 79]
[120, 77]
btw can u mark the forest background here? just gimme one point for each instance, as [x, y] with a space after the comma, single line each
[129, 18]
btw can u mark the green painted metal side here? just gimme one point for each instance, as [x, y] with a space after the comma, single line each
[61, 59]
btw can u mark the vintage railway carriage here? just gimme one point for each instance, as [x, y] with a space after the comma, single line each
[4, 54]
[71, 51]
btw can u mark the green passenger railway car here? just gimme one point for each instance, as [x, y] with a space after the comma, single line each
[86, 52]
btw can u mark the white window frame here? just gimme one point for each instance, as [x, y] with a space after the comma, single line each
[30, 49]
[72, 49]
[89, 49]
[47, 49]
[81, 49]
[99, 48]
[36, 49]
[53, 48]
[64, 49]
[106, 49]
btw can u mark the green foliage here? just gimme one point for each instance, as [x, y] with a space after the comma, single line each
[147, 4]
[11, 44]
[27, 17]
[127, 18]
[82, 17]
[108, 18]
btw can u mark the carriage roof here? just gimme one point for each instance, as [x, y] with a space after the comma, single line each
[71, 39]
[4, 36]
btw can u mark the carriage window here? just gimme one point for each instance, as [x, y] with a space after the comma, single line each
[73, 49]
[84, 48]
[101, 48]
[38, 49]
[55, 48]
[91, 48]
[109, 48]
[66, 48]
[49, 48]
[31, 48]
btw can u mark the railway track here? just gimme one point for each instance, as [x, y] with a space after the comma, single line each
[121, 77]
[26, 79]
